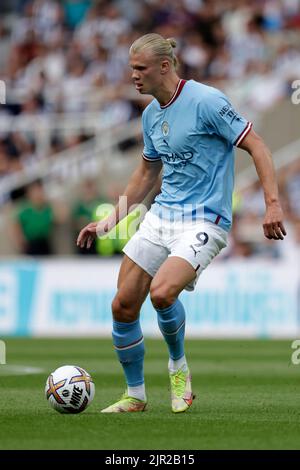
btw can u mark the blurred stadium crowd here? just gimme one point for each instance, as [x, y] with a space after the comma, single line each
[71, 56]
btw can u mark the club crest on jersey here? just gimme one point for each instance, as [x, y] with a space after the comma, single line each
[165, 128]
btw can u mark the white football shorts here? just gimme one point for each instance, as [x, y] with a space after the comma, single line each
[157, 239]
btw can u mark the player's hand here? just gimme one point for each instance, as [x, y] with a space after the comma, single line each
[273, 223]
[88, 234]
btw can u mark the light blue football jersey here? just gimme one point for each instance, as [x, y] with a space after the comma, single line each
[193, 135]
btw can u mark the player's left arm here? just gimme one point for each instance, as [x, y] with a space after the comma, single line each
[273, 220]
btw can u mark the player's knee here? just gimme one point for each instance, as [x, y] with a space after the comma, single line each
[162, 295]
[123, 311]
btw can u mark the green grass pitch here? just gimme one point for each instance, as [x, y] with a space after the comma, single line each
[247, 397]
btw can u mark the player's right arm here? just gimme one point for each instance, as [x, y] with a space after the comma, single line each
[140, 184]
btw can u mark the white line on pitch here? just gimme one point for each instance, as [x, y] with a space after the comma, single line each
[8, 369]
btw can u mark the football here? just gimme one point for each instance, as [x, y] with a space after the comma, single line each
[69, 389]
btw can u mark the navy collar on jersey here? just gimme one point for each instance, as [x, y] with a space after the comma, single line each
[177, 92]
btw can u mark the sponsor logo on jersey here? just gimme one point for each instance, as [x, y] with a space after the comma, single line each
[165, 128]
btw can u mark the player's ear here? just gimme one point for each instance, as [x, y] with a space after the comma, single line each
[164, 66]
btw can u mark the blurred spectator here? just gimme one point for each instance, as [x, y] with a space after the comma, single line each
[292, 189]
[4, 44]
[84, 210]
[75, 11]
[34, 222]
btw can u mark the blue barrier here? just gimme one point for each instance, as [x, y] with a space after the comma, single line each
[73, 297]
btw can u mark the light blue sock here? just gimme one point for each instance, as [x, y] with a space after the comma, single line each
[129, 345]
[171, 322]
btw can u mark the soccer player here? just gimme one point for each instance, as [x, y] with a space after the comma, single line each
[190, 131]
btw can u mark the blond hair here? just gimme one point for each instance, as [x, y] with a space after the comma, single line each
[159, 46]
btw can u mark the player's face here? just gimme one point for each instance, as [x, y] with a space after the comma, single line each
[146, 72]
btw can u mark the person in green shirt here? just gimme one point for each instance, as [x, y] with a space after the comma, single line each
[34, 221]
